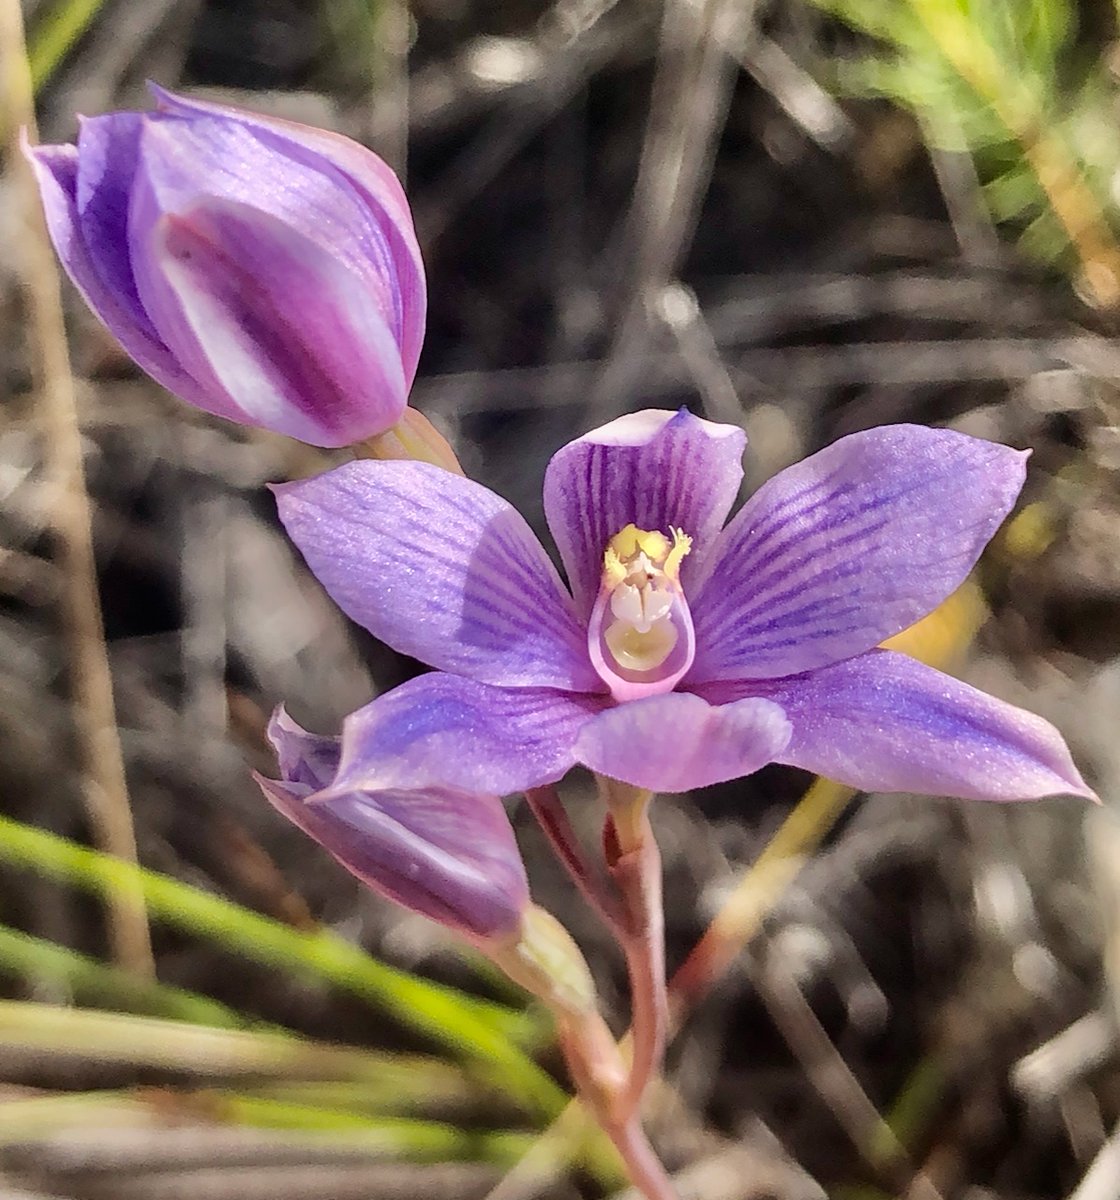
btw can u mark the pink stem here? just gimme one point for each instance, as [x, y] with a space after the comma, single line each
[638, 874]
[553, 819]
[638, 923]
[642, 1165]
[595, 1068]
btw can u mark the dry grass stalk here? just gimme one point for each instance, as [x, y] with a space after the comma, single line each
[103, 778]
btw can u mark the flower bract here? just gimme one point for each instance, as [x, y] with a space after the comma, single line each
[261, 270]
[683, 651]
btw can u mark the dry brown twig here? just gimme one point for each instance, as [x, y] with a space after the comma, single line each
[691, 90]
[103, 778]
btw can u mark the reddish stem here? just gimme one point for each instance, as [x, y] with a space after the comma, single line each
[593, 1063]
[637, 871]
[642, 1165]
[634, 863]
[552, 817]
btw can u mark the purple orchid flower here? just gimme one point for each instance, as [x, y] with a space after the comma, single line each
[261, 270]
[685, 652]
[446, 854]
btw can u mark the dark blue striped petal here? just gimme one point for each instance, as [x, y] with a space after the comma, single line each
[848, 548]
[444, 729]
[442, 569]
[653, 469]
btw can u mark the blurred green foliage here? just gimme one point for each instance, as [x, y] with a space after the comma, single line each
[55, 33]
[480, 1032]
[1019, 87]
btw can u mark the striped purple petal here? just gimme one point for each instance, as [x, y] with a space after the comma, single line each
[676, 742]
[182, 159]
[847, 548]
[260, 270]
[653, 469]
[449, 730]
[390, 243]
[306, 760]
[884, 722]
[219, 279]
[108, 155]
[442, 569]
[101, 272]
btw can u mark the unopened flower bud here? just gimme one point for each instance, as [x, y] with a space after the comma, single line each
[261, 270]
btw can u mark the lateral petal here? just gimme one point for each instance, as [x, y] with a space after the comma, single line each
[224, 156]
[440, 568]
[370, 177]
[886, 723]
[847, 548]
[56, 170]
[287, 330]
[108, 147]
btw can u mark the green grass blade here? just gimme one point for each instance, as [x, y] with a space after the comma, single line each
[91, 982]
[123, 1039]
[395, 1137]
[406, 1137]
[404, 1090]
[52, 38]
[463, 1024]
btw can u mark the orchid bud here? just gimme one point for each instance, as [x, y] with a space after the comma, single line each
[261, 270]
[447, 854]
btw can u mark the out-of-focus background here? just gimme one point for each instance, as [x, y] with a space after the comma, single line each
[803, 217]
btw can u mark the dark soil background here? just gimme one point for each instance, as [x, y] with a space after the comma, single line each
[620, 206]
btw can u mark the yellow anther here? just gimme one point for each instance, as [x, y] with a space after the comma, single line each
[630, 540]
[653, 544]
[682, 544]
[625, 542]
[641, 556]
[613, 570]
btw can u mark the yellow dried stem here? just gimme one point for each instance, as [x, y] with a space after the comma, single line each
[103, 778]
